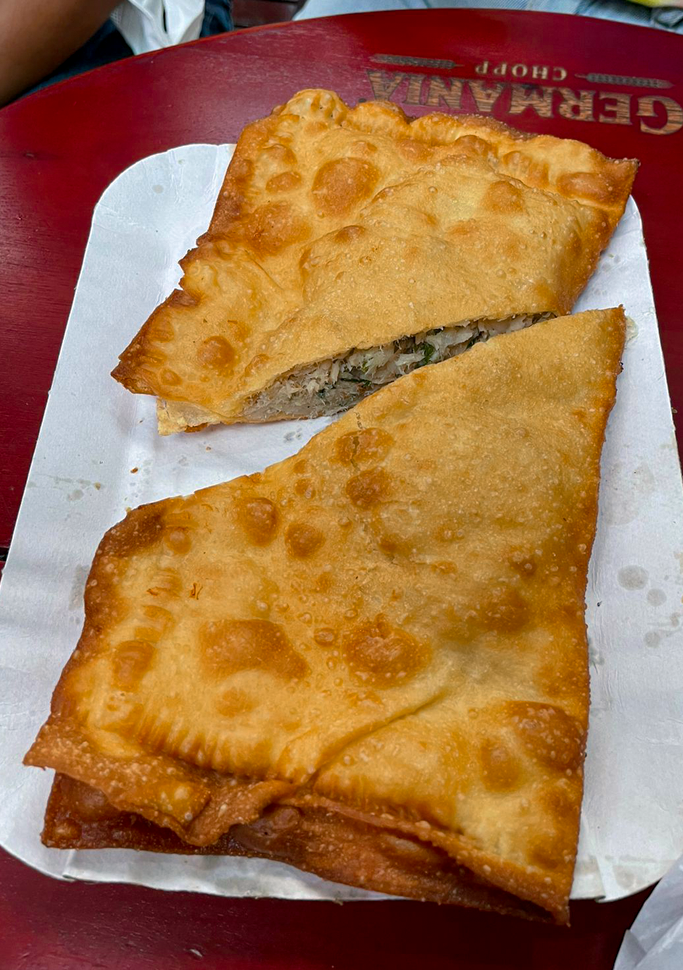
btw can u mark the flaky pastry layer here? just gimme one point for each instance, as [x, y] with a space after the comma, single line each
[317, 839]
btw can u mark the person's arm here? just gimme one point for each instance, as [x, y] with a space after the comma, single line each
[36, 36]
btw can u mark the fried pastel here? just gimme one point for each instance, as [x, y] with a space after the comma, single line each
[350, 246]
[387, 627]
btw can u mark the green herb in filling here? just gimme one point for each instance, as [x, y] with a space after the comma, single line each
[356, 380]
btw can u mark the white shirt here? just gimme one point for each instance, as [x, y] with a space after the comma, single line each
[148, 25]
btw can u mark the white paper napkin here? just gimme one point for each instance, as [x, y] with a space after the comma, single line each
[655, 941]
[99, 451]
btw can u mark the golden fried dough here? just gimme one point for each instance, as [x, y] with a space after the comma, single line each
[385, 631]
[350, 246]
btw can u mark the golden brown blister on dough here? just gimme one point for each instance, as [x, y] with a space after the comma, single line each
[339, 228]
[387, 626]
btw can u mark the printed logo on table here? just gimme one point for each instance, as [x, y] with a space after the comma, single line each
[511, 89]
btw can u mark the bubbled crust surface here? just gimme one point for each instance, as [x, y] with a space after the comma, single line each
[389, 623]
[340, 228]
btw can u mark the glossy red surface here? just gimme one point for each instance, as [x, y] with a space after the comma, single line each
[59, 149]
[46, 925]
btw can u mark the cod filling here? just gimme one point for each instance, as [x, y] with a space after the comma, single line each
[333, 385]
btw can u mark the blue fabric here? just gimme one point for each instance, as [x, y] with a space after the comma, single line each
[107, 45]
[217, 17]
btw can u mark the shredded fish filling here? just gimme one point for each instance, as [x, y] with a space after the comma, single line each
[333, 385]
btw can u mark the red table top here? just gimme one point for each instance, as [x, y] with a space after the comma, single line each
[616, 86]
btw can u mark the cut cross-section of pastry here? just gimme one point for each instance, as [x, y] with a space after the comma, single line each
[385, 630]
[351, 246]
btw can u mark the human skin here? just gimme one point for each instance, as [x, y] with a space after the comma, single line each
[36, 36]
